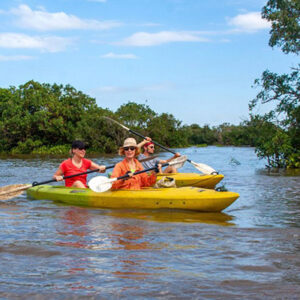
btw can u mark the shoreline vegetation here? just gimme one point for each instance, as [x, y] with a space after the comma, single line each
[39, 118]
[42, 119]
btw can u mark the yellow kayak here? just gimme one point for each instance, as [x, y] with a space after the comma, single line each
[190, 198]
[194, 179]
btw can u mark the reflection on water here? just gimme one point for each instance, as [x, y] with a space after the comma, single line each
[279, 172]
[128, 237]
[250, 251]
[74, 224]
[131, 239]
[169, 215]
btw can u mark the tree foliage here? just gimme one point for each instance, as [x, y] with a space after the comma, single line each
[284, 17]
[135, 115]
[42, 115]
[202, 135]
[282, 147]
[45, 119]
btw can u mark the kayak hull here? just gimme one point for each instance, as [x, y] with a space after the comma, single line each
[189, 198]
[194, 179]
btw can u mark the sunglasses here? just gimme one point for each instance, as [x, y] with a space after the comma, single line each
[151, 147]
[81, 148]
[129, 148]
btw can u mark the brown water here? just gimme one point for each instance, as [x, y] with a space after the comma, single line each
[250, 251]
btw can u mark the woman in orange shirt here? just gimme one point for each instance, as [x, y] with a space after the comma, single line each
[129, 165]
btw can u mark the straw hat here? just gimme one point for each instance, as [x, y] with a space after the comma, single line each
[129, 142]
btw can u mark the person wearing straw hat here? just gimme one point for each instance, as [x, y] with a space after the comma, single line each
[129, 165]
[76, 164]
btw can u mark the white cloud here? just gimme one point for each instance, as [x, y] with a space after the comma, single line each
[164, 86]
[44, 21]
[250, 22]
[15, 57]
[225, 40]
[142, 39]
[47, 44]
[119, 56]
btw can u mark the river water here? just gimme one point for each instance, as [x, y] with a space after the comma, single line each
[250, 251]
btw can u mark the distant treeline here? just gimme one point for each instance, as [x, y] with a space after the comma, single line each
[45, 119]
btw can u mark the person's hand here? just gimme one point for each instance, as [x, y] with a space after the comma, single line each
[102, 169]
[129, 174]
[146, 140]
[157, 169]
[58, 178]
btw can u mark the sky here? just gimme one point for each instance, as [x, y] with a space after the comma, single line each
[194, 59]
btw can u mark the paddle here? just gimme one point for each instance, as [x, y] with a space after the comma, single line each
[205, 169]
[13, 190]
[102, 184]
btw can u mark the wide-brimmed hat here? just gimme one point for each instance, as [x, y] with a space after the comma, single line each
[129, 142]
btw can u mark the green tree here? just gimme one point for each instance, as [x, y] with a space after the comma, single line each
[167, 130]
[232, 135]
[163, 128]
[135, 115]
[201, 135]
[284, 17]
[44, 118]
[36, 115]
[284, 89]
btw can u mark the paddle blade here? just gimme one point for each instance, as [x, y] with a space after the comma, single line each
[205, 169]
[178, 162]
[13, 190]
[114, 121]
[100, 184]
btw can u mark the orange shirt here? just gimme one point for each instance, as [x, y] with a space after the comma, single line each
[134, 183]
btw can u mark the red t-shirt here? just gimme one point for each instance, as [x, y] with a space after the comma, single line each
[69, 168]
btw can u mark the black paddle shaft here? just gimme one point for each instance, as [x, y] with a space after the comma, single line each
[66, 177]
[142, 171]
[156, 143]
[83, 173]
[159, 145]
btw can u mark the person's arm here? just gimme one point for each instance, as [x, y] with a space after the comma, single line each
[58, 175]
[170, 159]
[142, 143]
[150, 179]
[159, 168]
[117, 172]
[94, 166]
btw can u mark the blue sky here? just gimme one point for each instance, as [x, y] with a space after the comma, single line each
[195, 59]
